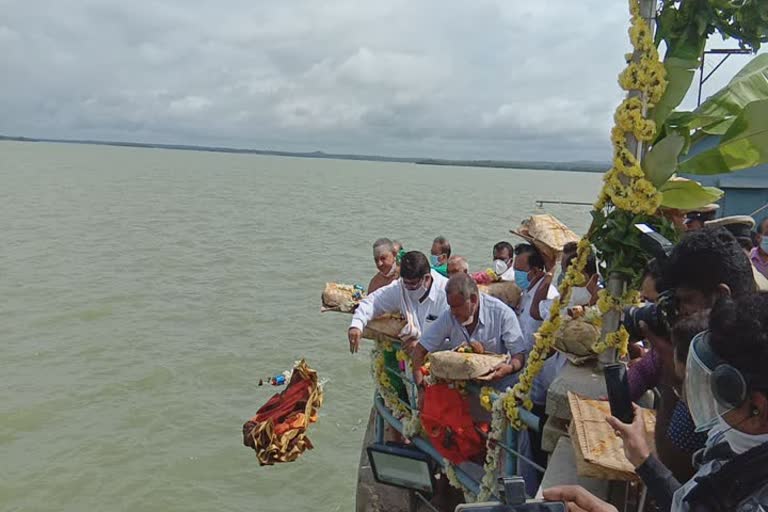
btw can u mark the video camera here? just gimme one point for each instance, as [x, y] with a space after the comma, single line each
[514, 501]
[661, 314]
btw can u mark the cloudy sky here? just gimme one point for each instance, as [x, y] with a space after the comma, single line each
[459, 79]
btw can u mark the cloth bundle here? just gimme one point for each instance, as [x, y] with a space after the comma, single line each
[278, 431]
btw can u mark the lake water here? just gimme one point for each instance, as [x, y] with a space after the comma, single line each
[144, 293]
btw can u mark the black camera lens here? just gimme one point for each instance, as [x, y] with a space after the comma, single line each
[653, 316]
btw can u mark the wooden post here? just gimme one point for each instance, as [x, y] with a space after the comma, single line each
[617, 284]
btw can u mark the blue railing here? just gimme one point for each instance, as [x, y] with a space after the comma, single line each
[509, 444]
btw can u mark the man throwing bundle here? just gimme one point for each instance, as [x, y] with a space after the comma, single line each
[419, 296]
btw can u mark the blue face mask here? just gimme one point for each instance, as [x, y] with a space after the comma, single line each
[521, 279]
[434, 260]
[764, 244]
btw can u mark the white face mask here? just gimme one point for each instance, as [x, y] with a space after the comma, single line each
[739, 441]
[468, 321]
[580, 296]
[392, 270]
[418, 293]
[500, 266]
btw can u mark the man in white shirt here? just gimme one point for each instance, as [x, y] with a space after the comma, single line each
[503, 253]
[538, 295]
[474, 316]
[424, 288]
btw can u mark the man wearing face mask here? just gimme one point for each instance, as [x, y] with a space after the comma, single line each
[585, 295]
[759, 254]
[439, 254]
[538, 293]
[503, 253]
[419, 287]
[385, 258]
[474, 316]
[726, 388]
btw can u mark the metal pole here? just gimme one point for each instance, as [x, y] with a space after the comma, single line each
[616, 287]
[617, 283]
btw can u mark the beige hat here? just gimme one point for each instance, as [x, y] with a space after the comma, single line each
[707, 208]
[546, 232]
[738, 225]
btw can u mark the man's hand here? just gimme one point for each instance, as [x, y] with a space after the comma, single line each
[578, 499]
[634, 437]
[550, 260]
[502, 371]
[354, 334]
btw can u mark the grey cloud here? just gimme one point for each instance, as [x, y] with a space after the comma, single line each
[481, 79]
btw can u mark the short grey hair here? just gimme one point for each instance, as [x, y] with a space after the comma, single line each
[459, 260]
[383, 245]
[462, 284]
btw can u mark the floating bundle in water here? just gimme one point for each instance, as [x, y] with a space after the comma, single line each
[278, 431]
[342, 297]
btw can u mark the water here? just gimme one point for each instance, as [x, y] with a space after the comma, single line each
[144, 293]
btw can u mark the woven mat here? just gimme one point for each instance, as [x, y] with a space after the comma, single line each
[599, 451]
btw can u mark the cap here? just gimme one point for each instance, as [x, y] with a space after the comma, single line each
[740, 226]
[702, 214]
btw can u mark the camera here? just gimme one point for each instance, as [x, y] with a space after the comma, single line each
[661, 314]
[657, 316]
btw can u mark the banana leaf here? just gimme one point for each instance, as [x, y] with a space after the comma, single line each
[684, 194]
[680, 73]
[661, 161]
[718, 112]
[744, 145]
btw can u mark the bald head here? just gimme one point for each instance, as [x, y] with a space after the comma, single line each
[456, 265]
[461, 284]
[462, 297]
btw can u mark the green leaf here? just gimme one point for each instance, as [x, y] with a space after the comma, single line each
[747, 86]
[661, 161]
[680, 74]
[688, 195]
[744, 145]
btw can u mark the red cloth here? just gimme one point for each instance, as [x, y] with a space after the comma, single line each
[448, 424]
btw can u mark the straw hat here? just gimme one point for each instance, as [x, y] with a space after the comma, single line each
[546, 232]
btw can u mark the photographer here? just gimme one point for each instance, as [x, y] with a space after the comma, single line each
[705, 265]
[727, 390]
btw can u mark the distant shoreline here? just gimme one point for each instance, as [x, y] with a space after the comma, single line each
[580, 166]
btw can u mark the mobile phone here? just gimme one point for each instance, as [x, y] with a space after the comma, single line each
[618, 392]
[538, 506]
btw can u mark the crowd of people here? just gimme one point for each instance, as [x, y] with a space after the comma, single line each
[707, 370]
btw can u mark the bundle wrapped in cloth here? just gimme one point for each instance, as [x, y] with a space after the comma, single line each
[506, 291]
[547, 233]
[278, 431]
[342, 297]
[454, 365]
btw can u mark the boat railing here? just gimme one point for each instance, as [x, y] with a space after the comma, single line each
[509, 444]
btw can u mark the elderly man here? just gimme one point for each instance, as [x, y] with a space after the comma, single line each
[456, 265]
[423, 288]
[385, 258]
[473, 316]
[439, 254]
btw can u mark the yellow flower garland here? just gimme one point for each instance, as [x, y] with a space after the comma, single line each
[624, 186]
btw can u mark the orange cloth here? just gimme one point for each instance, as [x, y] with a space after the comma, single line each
[448, 424]
[278, 430]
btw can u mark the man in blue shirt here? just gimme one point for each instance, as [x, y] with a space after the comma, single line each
[473, 316]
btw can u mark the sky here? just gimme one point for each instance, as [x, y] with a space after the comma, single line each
[502, 79]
